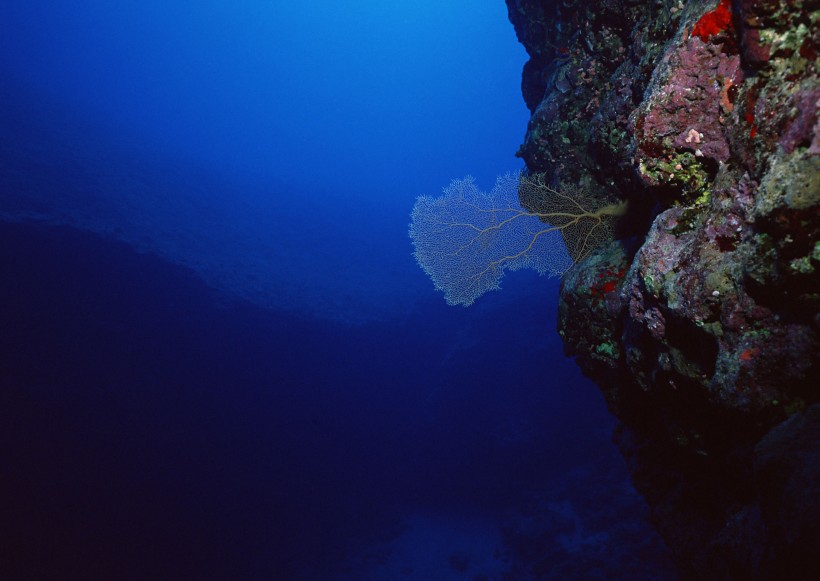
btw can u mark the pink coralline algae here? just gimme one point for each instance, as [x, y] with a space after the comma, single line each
[693, 101]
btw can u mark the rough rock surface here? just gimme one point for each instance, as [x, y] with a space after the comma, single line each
[700, 322]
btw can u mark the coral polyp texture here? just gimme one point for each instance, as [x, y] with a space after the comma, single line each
[700, 322]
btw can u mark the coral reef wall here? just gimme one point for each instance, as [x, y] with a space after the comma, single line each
[700, 322]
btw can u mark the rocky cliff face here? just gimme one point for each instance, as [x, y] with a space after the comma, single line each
[700, 322]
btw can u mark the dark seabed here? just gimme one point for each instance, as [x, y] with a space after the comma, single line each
[154, 429]
[218, 359]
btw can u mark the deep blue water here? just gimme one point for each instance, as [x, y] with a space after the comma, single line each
[218, 359]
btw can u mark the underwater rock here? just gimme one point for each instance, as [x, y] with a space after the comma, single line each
[700, 324]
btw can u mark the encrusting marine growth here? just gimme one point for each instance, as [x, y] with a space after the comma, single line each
[467, 238]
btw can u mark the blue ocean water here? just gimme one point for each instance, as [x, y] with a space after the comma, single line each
[218, 358]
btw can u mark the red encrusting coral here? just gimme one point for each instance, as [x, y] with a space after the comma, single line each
[750, 119]
[749, 354]
[609, 280]
[714, 22]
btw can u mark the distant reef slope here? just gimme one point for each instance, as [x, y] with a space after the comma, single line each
[700, 322]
